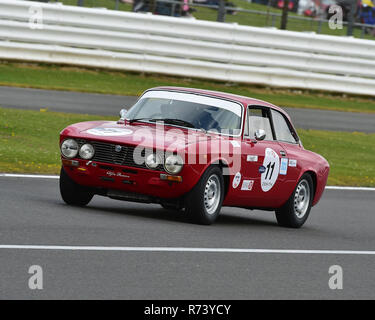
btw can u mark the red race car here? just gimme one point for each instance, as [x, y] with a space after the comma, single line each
[194, 150]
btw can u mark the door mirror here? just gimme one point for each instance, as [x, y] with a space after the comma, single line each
[260, 134]
[123, 113]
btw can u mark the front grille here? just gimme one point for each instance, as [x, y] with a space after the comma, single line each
[107, 153]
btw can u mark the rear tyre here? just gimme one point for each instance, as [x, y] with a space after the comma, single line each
[204, 201]
[72, 193]
[294, 213]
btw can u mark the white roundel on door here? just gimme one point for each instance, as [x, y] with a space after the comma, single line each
[271, 164]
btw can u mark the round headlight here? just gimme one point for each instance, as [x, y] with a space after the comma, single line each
[152, 161]
[69, 148]
[87, 151]
[173, 164]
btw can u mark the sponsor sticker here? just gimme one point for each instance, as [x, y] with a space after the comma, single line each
[271, 164]
[247, 185]
[109, 132]
[262, 169]
[251, 158]
[284, 166]
[292, 163]
[236, 180]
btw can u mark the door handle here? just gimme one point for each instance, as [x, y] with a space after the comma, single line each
[282, 153]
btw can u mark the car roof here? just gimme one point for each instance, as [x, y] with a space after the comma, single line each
[224, 95]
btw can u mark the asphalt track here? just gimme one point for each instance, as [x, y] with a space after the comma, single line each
[100, 104]
[136, 267]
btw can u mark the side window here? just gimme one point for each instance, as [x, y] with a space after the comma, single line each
[258, 118]
[281, 127]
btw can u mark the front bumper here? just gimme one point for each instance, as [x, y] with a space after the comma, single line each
[128, 179]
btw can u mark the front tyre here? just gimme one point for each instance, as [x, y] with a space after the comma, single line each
[72, 193]
[294, 213]
[204, 202]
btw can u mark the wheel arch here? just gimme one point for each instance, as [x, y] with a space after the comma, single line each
[224, 166]
[226, 177]
[314, 179]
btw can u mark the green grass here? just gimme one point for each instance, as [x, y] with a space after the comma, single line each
[243, 18]
[29, 139]
[127, 83]
[29, 144]
[351, 155]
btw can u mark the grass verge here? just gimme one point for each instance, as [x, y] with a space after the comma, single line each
[351, 155]
[29, 144]
[29, 139]
[127, 83]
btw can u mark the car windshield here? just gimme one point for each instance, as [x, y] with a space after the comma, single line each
[188, 110]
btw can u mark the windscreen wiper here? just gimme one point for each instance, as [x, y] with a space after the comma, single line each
[139, 119]
[176, 121]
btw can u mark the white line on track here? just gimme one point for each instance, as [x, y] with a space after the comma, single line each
[183, 249]
[12, 175]
[350, 188]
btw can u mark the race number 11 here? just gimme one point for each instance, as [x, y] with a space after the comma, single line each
[272, 167]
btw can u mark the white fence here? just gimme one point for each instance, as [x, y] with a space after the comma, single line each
[184, 47]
